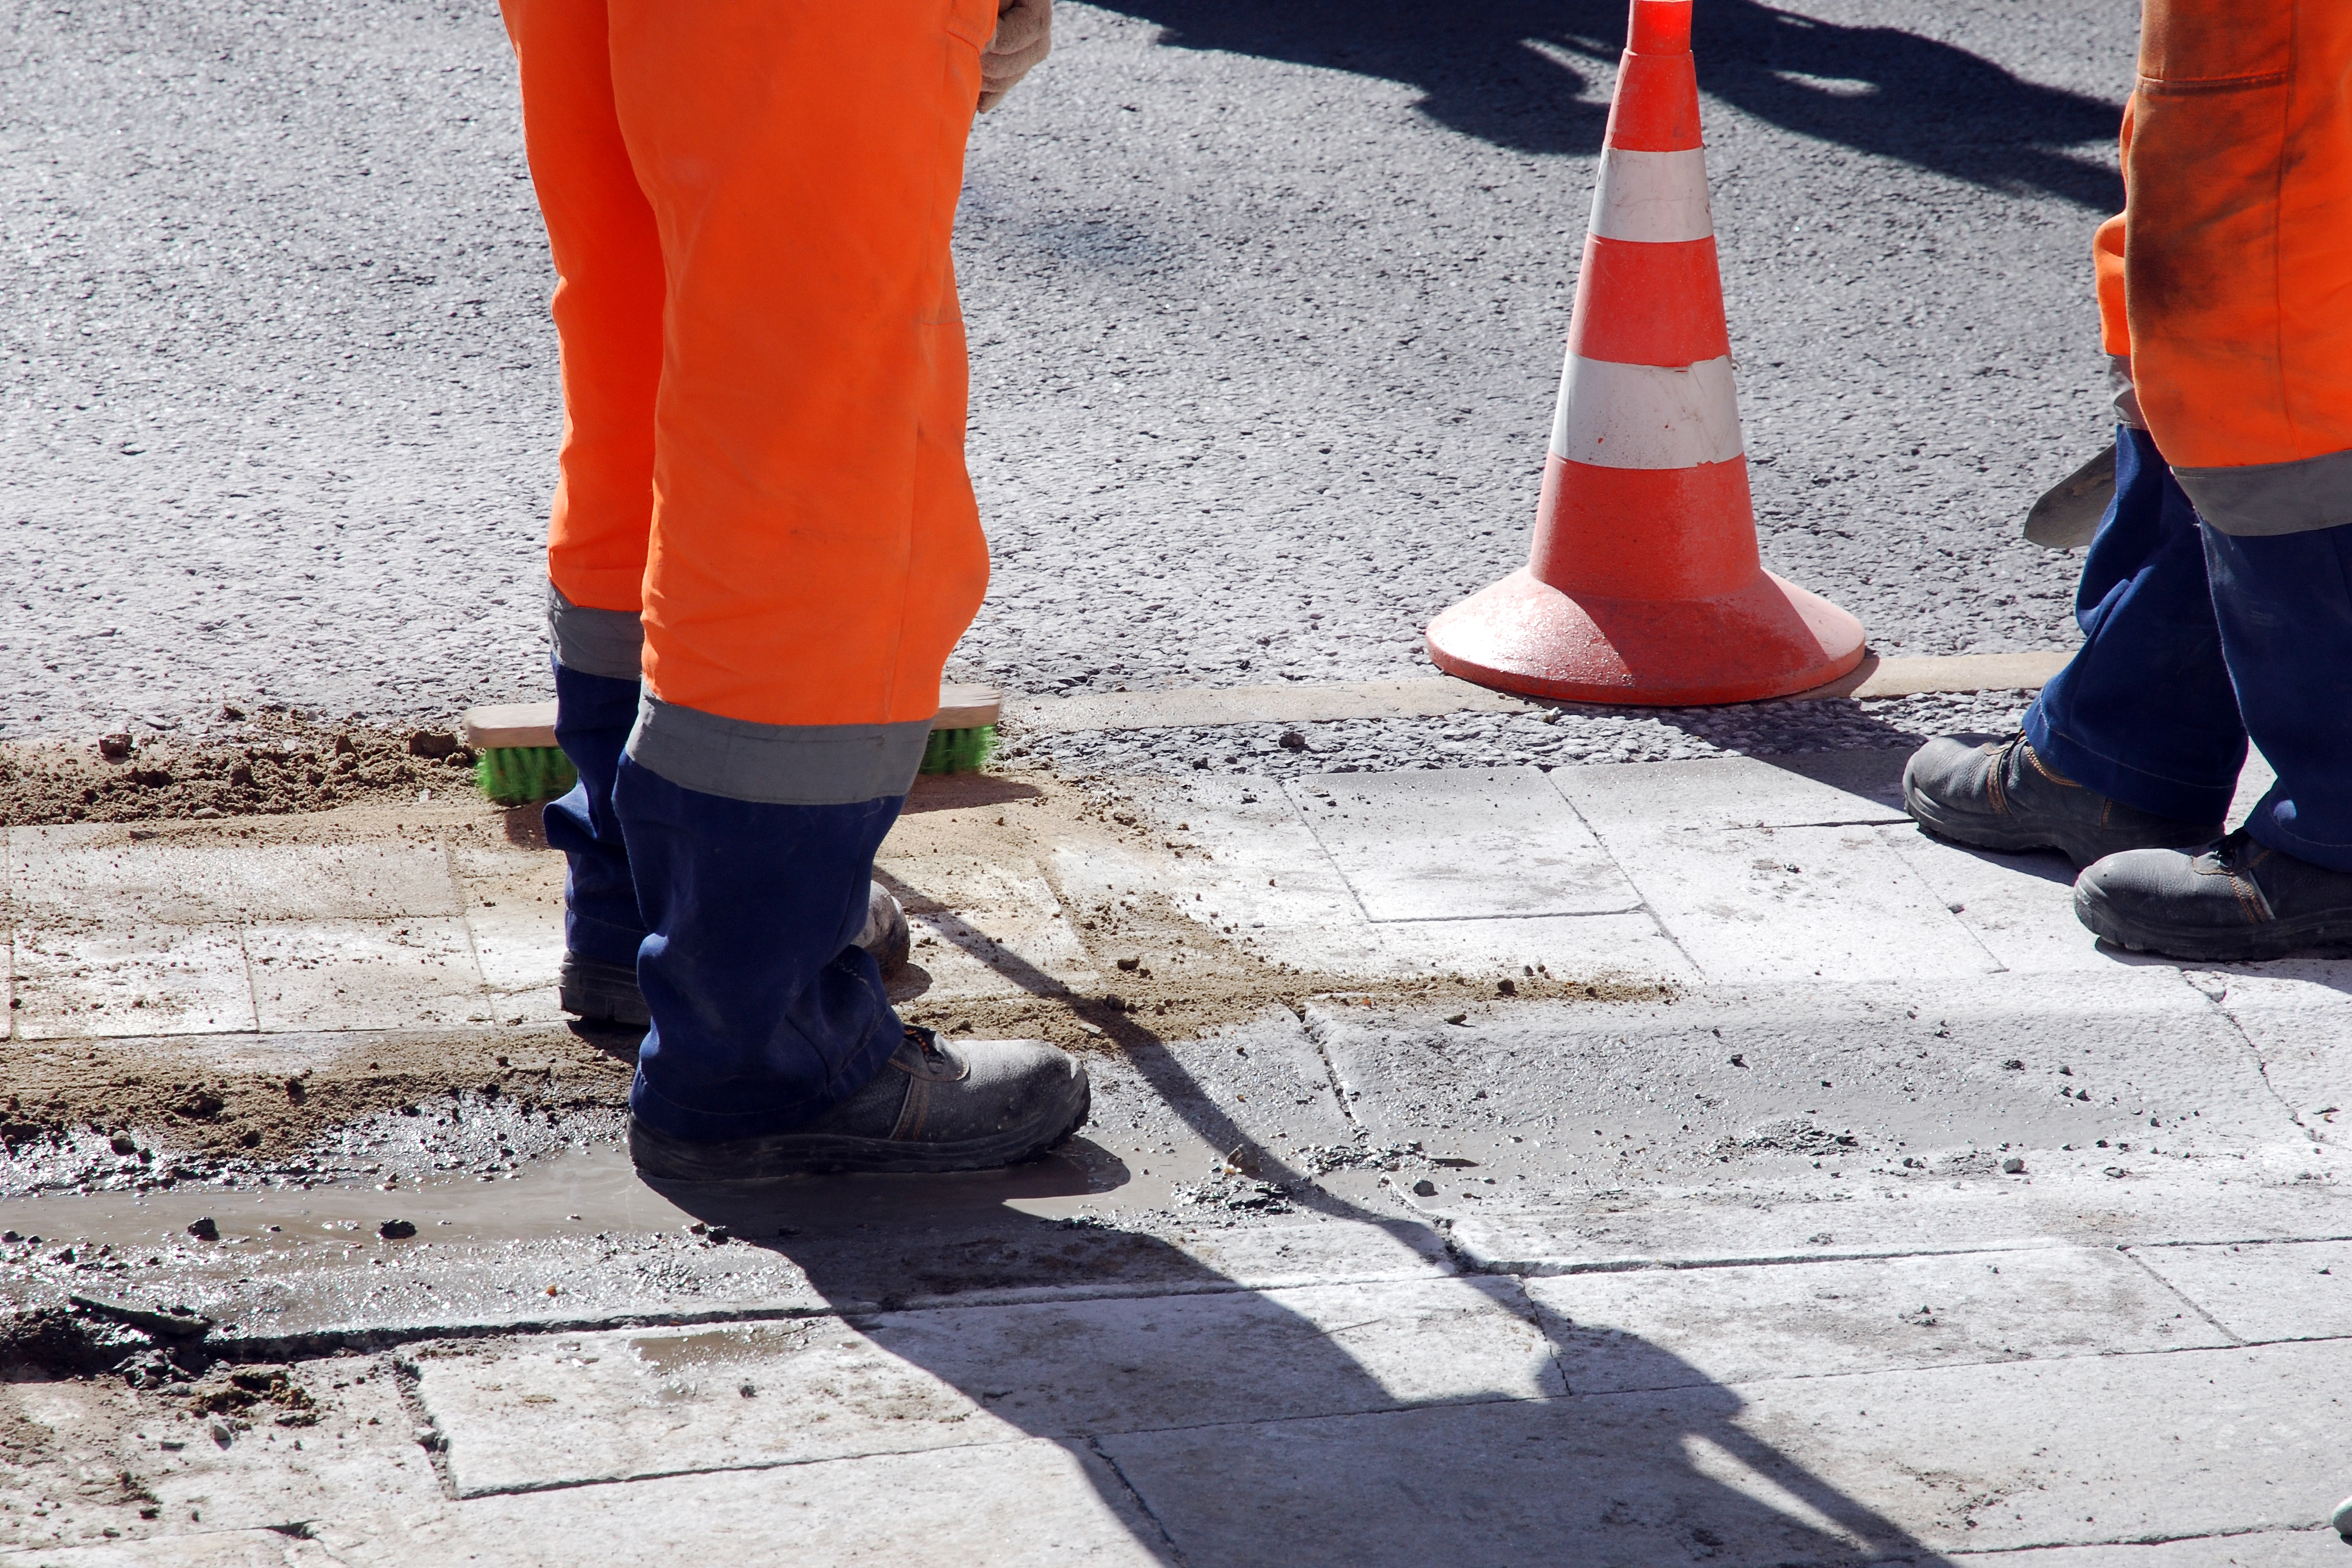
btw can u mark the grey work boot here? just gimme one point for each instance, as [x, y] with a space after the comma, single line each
[975, 1106]
[2233, 901]
[1997, 795]
[599, 991]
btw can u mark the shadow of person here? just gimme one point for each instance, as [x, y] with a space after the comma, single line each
[1527, 75]
[1325, 1389]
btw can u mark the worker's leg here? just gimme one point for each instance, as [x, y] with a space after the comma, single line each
[815, 549]
[2238, 287]
[2285, 604]
[2143, 713]
[608, 316]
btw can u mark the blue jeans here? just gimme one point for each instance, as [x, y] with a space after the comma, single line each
[2195, 640]
[742, 920]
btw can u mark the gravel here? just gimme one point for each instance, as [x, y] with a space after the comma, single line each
[1265, 305]
[1567, 736]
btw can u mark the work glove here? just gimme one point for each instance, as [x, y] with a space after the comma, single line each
[1024, 36]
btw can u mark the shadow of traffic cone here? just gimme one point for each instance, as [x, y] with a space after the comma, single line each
[1642, 584]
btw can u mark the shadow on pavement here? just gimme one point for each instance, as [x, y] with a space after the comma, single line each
[1225, 1424]
[1528, 76]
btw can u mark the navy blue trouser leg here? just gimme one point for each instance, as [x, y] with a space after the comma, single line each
[2194, 640]
[766, 1014]
[593, 717]
[2285, 604]
[2145, 713]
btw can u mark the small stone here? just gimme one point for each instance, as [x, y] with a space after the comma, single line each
[397, 1229]
[1739, 1059]
[204, 1229]
[206, 813]
[231, 713]
[1130, 965]
[1291, 740]
[720, 1233]
[747, 1391]
[2012, 1165]
[2013, 1065]
[431, 742]
[1457, 1018]
[114, 748]
[1424, 1187]
[121, 1145]
[1507, 987]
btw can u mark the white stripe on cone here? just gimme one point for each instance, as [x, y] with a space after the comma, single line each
[1646, 416]
[1659, 198]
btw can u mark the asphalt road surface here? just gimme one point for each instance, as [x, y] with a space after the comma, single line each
[1265, 303]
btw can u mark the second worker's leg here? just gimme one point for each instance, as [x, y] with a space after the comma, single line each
[2137, 742]
[2282, 883]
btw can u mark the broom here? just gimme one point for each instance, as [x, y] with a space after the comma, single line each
[518, 761]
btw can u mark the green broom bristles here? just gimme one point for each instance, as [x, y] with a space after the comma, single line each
[519, 775]
[959, 750]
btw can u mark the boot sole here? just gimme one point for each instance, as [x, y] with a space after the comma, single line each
[2271, 939]
[832, 1153]
[1976, 833]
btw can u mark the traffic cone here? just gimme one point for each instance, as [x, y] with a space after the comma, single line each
[1642, 584]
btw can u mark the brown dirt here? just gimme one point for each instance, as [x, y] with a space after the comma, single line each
[48, 1090]
[1187, 981]
[267, 765]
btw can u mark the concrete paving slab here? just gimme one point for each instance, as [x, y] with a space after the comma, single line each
[1623, 949]
[1460, 845]
[1269, 883]
[2261, 1291]
[1659, 1228]
[1832, 790]
[1793, 902]
[993, 931]
[129, 980]
[1819, 1320]
[751, 1396]
[1261, 876]
[2297, 1016]
[513, 900]
[210, 1549]
[62, 875]
[1858, 1078]
[1035, 1502]
[366, 973]
[1901, 1466]
[2262, 1549]
[1607, 1481]
[2022, 907]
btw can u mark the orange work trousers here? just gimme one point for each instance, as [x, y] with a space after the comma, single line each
[2227, 281]
[749, 206]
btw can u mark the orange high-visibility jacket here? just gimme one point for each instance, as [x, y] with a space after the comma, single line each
[2227, 281]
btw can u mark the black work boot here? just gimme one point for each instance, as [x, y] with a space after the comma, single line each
[2233, 901]
[1997, 795]
[975, 1106]
[598, 991]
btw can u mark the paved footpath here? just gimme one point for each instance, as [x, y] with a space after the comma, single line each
[1817, 1194]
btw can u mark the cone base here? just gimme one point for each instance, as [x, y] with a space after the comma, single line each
[1767, 640]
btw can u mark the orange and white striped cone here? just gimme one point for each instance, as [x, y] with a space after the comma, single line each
[1642, 584]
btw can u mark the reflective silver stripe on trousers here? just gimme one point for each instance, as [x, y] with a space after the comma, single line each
[777, 764]
[608, 643]
[2263, 500]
